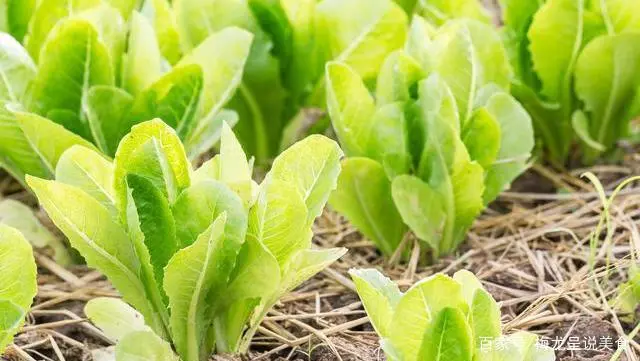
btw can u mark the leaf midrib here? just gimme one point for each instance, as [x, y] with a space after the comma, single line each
[192, 321]
[106, 255]
[95, 182]
[368, 216]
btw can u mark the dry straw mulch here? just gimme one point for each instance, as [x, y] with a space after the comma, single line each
[530, 249]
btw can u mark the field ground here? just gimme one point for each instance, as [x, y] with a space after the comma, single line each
[531, 249]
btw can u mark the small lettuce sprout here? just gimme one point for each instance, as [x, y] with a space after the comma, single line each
[442, 318]
[439, 140]
[18, 284]
[200, 256]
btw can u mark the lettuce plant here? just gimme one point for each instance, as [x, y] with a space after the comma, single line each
[576, 65]
[87, 70]
[442, 318]
[293, 41]
[202, 255]
[438, 140]
[17, 282]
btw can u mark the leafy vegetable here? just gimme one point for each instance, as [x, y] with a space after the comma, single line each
[202, 255]
[17, 282]
[293, 40]
[441, 140]
[563, 50]
[183, 60]
[99, 69]
[441, 318]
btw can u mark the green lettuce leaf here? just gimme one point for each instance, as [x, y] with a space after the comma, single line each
[39, 131]
[278, 221]
[389, 140]
[108, 111]
[234, 169]
[399, 73]
[306, 264]
[17, 282]
[557, 29]
[609, 64]
[351, 107]
[468, 55]
[360, 33]
[482, 137]
[162, 16]
[153, 150]
[45, 17]
[143, 62]
[449, 338]
[155, 348]
[260, 97]
[222, 57]
[311, 167]
[174, 98]
[618, 16]
[195, 279]
[418, 309]
[379, 295]
[199, 205]
[363, 196]
[11, 320]
[19, 13]
[418, 42]
[210, 135]
[156, 222]
[88, 170]
[517, 16]
[421, 208]
[105, 245]
[64, 80]
[114, 317]
[516, 144]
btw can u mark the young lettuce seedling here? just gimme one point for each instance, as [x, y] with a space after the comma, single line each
[576, 65]
[90, 70]
[442, 318]
[201, 255]
[17, 283]
[440, 140]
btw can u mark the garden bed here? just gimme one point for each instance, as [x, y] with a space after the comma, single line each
[530, 249]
